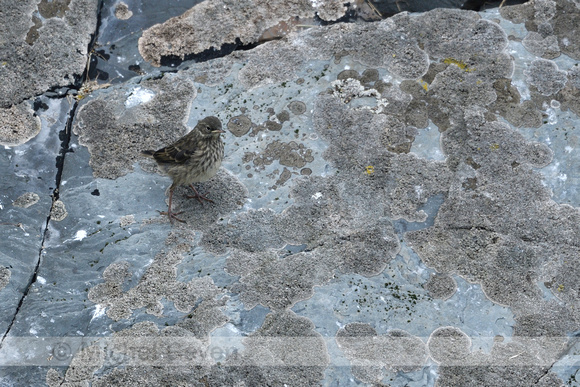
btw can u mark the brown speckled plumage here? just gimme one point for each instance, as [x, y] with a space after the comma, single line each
[194, 158]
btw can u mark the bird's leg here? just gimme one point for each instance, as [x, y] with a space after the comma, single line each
[197, 195]
[171, 215]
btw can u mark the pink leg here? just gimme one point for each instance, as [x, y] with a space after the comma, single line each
[198, 196]
[169, 213]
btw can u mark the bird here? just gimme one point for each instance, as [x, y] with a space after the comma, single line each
[194, 158]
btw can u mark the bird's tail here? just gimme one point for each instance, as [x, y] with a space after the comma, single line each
[148, 153]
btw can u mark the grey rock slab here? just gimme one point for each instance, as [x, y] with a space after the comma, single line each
[141, 114]
[43, 46]
[395, 299]
[29, 178]
[360, 174]
[117, 57]
[57, 32]
[548, 19]
[380, 181]
[28, 181]
[230, 22]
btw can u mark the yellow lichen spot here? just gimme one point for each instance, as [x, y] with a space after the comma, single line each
[369, 170]
[462, 65]
[88, 87]
[478, 82]
[494, 147]
[394, 55]
[456, 62]
[424, 84]
[4, 63]
[561, 288]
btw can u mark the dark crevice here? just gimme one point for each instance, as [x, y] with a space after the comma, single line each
[55, 92]
[93, 72]
[62, 91]
[65, 134]
[482, 5]
[389, 8]
[227, 48]
[546, 372]
[350, 16]
[65, 137]
[28, 286]
[570, 345]
[206, 55]
[39, 105]
[238, 45]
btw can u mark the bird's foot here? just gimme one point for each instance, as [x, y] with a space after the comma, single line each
[172, 215]
[198, 196]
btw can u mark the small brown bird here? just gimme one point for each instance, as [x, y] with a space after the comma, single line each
[194, 158]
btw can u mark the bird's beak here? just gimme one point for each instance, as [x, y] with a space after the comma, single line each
[218, 131]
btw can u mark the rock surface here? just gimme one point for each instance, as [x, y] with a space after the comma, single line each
[398, 202]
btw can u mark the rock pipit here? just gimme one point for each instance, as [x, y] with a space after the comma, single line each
[194, 158]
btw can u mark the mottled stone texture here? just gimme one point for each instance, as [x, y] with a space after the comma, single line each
[369, 352]
[18, 124]
[44, 46]
[326, 216]
[149, 116]
[58, 32]
[497, 226]
[552, 26]
[231, 22]
[4, 277]
[26, 200]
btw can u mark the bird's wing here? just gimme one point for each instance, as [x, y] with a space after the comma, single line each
[179, 152]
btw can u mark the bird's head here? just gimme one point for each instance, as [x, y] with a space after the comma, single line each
[210, 127]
